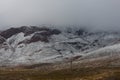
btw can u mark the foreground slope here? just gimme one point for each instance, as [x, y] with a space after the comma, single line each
[104, 73]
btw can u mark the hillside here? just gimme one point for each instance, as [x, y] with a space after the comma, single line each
[31, 45]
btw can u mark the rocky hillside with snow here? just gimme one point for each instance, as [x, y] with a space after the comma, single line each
[36, 45]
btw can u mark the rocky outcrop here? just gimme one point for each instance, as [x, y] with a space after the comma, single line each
[41, 33]
[42, 36]
[10, 32]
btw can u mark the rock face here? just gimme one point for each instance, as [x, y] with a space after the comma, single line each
[10, 32]
[42, 32]
[44, 35]
[34, 45]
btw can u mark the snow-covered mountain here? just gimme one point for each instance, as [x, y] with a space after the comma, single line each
[36, 45]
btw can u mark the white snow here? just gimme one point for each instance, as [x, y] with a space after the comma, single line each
[107, 51]
[60, 47]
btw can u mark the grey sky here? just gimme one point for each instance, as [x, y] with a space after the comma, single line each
[97, 13]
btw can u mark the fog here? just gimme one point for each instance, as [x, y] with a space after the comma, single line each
[95, 14]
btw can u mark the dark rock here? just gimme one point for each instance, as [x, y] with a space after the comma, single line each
[24, 41]
[27, 31]
[42, 36]
[55, 31]
[1, 40]
[10, 32]
[81, 31]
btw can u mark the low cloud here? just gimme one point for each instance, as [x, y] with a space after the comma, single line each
[96, 14]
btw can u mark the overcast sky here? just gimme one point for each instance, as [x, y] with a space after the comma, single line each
[95, 13]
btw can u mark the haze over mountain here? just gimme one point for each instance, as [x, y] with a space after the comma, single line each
[96, 14]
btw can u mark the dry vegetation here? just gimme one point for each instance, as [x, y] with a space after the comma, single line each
[103, 73]
[88, 70]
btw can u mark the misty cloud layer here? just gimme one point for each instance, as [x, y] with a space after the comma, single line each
[100, 14]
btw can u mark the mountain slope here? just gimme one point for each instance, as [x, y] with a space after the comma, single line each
[36, 45]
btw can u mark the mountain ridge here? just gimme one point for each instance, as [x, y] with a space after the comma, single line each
[36, 45]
